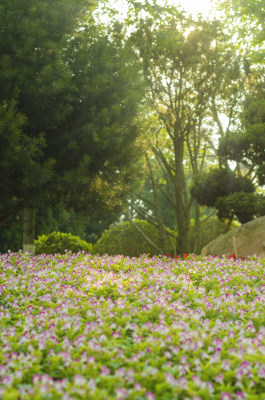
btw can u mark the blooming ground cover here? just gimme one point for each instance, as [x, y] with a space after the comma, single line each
[88, 327]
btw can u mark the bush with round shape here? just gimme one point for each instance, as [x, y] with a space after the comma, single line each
[58, 242]
[124, 239]
[215, 183]
[245, 206]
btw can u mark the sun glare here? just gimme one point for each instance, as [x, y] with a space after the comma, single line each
[196, 6]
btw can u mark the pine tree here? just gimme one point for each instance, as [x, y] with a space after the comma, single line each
[68, 103]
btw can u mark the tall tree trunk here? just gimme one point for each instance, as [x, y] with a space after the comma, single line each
[183, 232]
[197, 242]
[28, 229]
[161, 226]
[182, 209]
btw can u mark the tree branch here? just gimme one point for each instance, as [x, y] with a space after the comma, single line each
[143, 234]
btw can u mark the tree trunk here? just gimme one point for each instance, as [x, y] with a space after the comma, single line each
[183, 232]
[28, 229]
[161, 226]
[182, 209]
[197, 242]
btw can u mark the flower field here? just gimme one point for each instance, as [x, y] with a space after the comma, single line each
[99, 328]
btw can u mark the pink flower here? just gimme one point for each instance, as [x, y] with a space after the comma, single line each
[261, 372]
[150, 396]
[197, 380]
[134, 357]
[226, 396]
[104, 371]
[226, 365]
[120, 372]
[182, 382]
[170, 378]
[138, 386]
[46, 379]
[79, 380]
[91, 384]
[116, 334]
[7, 380]
[219, 378]
[250, 328]
[121, 393]
[240, 395]
[36, 379]
[183, 359]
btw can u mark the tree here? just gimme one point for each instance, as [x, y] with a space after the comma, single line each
[248, 19]
[227, 191]
[243, 140]
[34, 84]
[247, 148]
[235, 193]
[69, 102]
[178, 56]
[102, 130]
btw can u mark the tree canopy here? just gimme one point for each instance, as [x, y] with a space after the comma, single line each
[69, 99]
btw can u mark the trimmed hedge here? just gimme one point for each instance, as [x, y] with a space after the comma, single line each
[58, 242]
[124, 239]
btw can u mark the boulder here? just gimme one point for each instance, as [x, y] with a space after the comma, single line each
[244, 241]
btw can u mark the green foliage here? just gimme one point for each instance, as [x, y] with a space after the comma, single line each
[124, 239]
[100, 142]
[247, 148]
[11, 231]
[251, 14]
[209, 186]
[248, 145]
[68, 102]
[58, 242]
[49, 220]
[34, 88]
[185, 62]
[231, 195]
[246, 206]
[60, 219]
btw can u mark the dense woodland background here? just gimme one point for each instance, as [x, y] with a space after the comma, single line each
[150, 125]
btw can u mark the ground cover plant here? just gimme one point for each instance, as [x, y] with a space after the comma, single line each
[90, 327]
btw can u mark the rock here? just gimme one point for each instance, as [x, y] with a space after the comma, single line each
[244, 241]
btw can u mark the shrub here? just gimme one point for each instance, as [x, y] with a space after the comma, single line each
[246, 206]
[215, 183]
[58, 242]
[124, 239]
